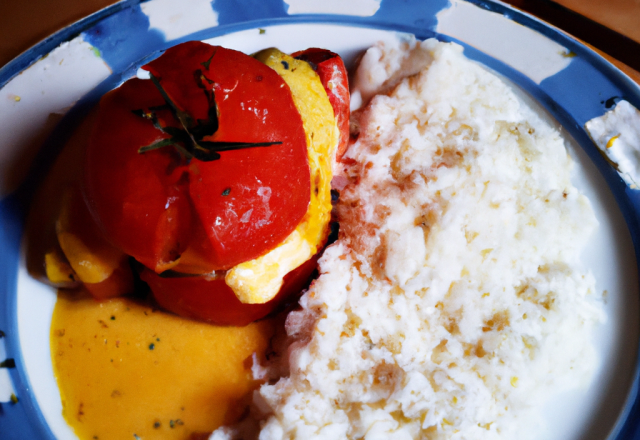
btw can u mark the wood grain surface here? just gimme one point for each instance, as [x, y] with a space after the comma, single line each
[622, 16]
[25, 23]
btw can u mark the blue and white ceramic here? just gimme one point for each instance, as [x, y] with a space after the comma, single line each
[45, 92]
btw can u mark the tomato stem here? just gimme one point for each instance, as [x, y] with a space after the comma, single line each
[188, 140]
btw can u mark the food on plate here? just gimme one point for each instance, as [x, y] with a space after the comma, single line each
[214, 175]
[103, 269]
[143, 195]
[454, 301]
[125, 368]
[252, 279]
[190, 297]
[209, 185]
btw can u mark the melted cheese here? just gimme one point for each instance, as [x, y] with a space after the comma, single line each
[259, 280]
[90, 257]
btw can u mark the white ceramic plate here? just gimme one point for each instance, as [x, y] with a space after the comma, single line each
[43, 99]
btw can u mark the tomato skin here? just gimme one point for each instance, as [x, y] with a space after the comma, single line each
[137, 200]
[192, 216]
[333, 75]
[268, 188]
[197, 216]
[119, 283]
[213, 301]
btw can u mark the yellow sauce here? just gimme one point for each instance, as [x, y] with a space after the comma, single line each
[126, 370]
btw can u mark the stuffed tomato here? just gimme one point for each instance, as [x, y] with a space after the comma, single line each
[214, 174]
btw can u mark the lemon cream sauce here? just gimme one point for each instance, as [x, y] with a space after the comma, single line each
[126, 370]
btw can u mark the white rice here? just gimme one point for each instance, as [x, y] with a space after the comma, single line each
[454, 300]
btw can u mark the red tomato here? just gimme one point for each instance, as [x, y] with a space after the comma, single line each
[137, 200]
[333, 75]
[213, 301]
[158, 206]
[196, 216]
[120, 282]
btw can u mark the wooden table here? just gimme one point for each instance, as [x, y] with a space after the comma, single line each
[25, 23]
[622, 16]
[611, 35]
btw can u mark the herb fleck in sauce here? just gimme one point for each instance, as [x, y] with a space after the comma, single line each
[126, 380]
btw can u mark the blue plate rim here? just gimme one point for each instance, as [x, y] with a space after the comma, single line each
[628, 424]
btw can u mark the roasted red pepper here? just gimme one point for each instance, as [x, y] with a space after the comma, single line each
[333, 75]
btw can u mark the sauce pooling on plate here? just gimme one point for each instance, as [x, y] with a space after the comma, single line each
[126, 370]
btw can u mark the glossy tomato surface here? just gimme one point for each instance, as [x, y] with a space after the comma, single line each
[169, 210]
[211, 300]
[333, 75]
